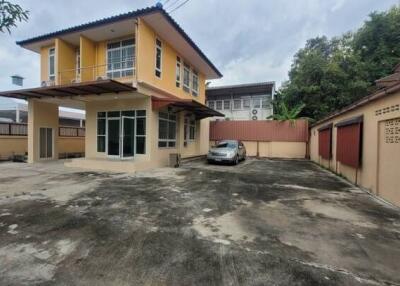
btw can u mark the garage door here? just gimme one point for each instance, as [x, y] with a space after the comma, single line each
[389, 158]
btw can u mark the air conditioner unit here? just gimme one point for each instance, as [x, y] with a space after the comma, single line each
[76, 80]
[102, 77]
[48, 83]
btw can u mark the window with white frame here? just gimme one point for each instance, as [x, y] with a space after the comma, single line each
[211, 104]
[266, 102]
[195, 83]
[256, 102]
[178, 72]
[227, 104]
[166, 129]
[120, 58]
[189, 129]
[237, 104]
[246, 103]
[158, 67]
[186, 77]
[52, 64]
[218, 105]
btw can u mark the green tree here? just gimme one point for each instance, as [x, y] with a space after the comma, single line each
[328, 74]
[10, 14]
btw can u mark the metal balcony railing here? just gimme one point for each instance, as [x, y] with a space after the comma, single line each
[122, 70]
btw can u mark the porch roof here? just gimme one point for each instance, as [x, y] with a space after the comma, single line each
[74, 89]
[199, 110]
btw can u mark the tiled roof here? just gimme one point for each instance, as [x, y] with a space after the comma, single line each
[120, 17]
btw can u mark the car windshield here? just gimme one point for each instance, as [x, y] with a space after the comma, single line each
[226, 144]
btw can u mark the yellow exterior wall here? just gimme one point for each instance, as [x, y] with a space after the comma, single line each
[18, 145]
[88, 58]
[71, 145]
[13, 145]
[146, 65]
[65, 62]
[41, 114]
[367, 175]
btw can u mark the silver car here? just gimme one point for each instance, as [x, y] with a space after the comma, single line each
[227, 151]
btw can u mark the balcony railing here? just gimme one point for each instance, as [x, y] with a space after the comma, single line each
[123, 70]
[21, 129]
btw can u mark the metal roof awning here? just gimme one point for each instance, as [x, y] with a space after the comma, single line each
[199, 110]
[74, 89]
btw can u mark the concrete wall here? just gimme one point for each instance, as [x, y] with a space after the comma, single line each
[374, 165]
[293, 150]
[41, 114]
[18, 145]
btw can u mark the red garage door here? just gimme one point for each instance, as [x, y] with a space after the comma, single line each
[325, 141]
[349, 141]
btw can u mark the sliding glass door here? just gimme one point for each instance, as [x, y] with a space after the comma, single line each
[128, 138]
[121, 134]
[113, 136]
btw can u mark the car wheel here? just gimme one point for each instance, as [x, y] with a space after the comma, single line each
[209, 161]
[236, 160]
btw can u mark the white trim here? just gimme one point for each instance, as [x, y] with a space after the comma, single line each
[167, 140]
[195, 74]
[48, 64]
[157, 47]
[178, 65]
[186, 66]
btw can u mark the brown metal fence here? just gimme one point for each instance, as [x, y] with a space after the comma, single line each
[13, 129]
[262, 130]
[21, 129]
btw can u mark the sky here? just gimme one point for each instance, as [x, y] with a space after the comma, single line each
[248, 40]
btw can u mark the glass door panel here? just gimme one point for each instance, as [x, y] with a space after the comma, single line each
[113, 137]
[128, 126]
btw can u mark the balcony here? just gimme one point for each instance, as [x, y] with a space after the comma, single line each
[123, 71]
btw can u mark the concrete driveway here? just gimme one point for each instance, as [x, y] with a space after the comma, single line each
[271, 222]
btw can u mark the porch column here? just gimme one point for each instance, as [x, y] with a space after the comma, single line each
[42, 115]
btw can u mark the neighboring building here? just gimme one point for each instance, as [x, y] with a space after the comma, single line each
[242, 102]
[141, 81]
[362, 141]
[14, 110]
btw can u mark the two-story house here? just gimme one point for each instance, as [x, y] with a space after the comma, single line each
[251, 101]
[141, 81]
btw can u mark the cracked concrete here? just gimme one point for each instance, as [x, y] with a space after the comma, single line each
[263, 222]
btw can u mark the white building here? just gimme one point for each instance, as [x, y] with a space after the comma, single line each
[242, 102]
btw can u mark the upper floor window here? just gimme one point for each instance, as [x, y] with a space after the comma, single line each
[186, 77]
[211, 104]
[246, 103]
[195, 83]
[237, 104]
[158, 58]
[78, 63]
[52, 64]
[218, 105]
[120, 58]
[227, 104]
[178, 72]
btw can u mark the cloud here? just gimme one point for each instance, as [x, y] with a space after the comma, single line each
[249, 41]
